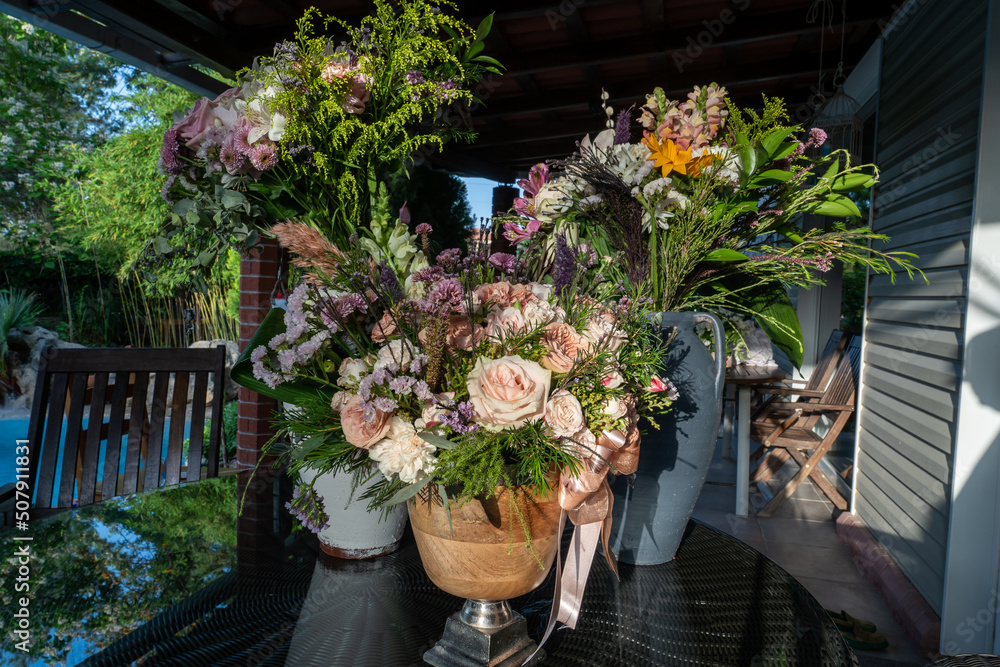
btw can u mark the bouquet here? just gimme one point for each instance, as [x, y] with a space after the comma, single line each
[705, 207]
[311, 131]
[470, 372]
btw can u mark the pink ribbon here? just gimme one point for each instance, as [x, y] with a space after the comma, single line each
[587, 500]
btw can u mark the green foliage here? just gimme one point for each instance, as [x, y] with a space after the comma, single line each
[18, 309]
[437, 198]
[754, 126]
[351, 150]
[108, 568]
[852, 299]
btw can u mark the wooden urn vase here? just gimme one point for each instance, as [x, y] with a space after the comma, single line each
[467, 555]
[471, 556]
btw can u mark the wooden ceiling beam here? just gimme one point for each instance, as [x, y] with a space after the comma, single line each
[741, 31]
[628, 92]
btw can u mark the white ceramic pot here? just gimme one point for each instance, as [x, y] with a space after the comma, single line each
[354, 532]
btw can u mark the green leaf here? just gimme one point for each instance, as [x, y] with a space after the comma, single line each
[297, 391]
[774, 139]
[770, 177]
[206, 257]
[475, 50]
[784, 150]
[831, 171]
[853, 182]
[408, 492]
[192, 217]
[162, 245]
[232, 198]
[834, 205]
[451, 33]
[436, 440]
[304, 448]
[776, 316]
[748, 156]
[490, 61]
[484, 28]
[725, 255]
[182, 207]
[789, 233]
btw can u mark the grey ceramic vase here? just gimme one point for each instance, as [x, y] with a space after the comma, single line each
[650, 513]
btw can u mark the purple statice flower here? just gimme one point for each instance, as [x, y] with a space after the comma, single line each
[306, 350]
[286, 360]
[424, 228]
[403, 384]
[380, 376]
[385, 404]
[390, 283]
[564, 268]
[278, 340]
[307, 506]
[170, 152]
[460, 420]
[415, 77]
[817, 137]
[622, 133]
[350, 304]
[368, 410]
[505, 262]
[422, 390]
[263, 156]
[449, 257]
[365, 387]
[418, 362]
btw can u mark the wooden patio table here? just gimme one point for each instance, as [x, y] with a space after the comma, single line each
[743, 378]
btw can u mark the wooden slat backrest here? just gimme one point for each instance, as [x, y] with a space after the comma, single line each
[844, 385]
[828, 360]
[75, 383]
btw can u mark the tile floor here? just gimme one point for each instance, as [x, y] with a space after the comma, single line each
[801, 538]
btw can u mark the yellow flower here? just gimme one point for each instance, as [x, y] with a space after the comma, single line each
[670, 158]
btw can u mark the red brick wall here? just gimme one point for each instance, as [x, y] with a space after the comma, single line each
[258, 274]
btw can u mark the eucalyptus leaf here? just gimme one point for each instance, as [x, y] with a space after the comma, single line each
[162, 245]
[408, 492]
[436, 440]
[232, 198]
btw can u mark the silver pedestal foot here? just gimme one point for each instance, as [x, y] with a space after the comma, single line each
[486, 633]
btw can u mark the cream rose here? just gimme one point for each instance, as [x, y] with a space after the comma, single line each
[403, 453]
[508, 392]
[537, 314]
[357, 431]
[340, 399]
[541, 290]
[351, 371]
[502, 323]
[600, 330]
[397, 351]
[616, 408]
[564, 345]
[564, 414]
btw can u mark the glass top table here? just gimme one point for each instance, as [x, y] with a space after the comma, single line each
[200, 599]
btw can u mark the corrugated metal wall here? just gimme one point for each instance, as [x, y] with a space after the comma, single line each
[927, 136]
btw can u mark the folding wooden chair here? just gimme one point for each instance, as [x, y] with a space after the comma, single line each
[152, 458]
[788, 429]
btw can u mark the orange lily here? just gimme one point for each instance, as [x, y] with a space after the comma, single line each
[670, 158]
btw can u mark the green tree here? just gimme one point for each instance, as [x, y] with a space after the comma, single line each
[437, 198]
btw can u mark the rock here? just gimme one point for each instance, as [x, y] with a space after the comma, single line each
[26, 352]
[232, 354]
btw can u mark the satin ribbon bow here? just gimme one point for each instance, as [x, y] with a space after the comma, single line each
[587, 500]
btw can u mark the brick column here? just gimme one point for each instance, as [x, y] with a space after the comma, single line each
[258, 274]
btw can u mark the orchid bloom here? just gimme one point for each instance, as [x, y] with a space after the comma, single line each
[516, 233]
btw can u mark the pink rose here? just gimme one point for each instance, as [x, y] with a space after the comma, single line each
[498, 294]
[564, 414]
[508, 392]
[357, 431]
[564, 345]
[384, 329]
[502, 323]
[340, 399]
[522, 294]
[462, 334]
[334, 70]
[192, 127]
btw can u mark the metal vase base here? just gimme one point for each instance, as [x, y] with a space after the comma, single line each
[485, 633]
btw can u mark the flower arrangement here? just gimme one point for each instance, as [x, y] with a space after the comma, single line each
[474, 371]
[705, 206]
[311, 131]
